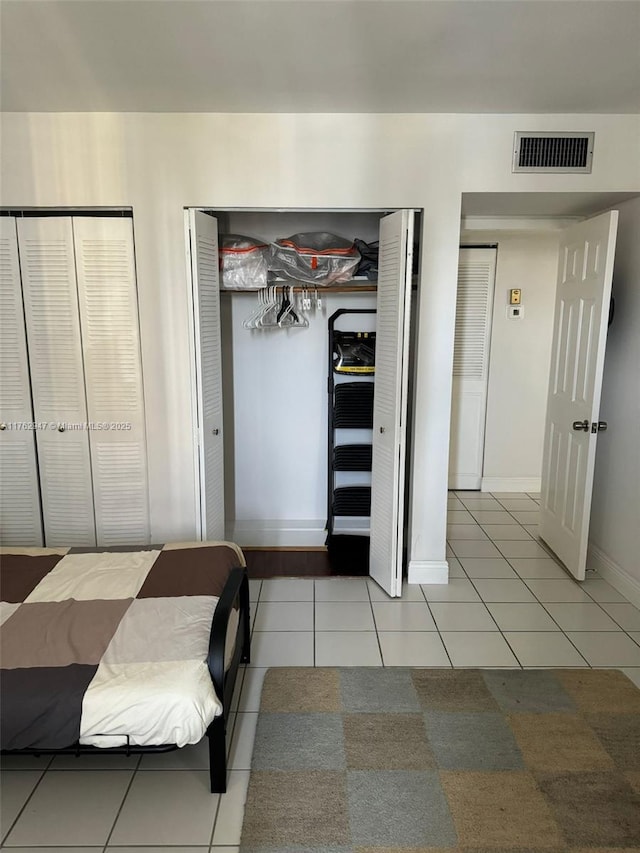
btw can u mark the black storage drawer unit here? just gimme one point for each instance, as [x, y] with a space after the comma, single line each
[350, 408]
[353, 405]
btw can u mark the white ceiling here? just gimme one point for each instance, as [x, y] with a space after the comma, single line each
[541, 204]
[494, 56]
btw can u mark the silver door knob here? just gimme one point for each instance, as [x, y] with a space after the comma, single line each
[60, 428]
[581, 426]
[602, 425]
[3, 426]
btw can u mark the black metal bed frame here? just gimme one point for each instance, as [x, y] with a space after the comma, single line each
[234, 595]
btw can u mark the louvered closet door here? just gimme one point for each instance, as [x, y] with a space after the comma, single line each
[206, 309]
[107, 297]
[476, 278]
[20, 518]
[390, 400]
[57, 379]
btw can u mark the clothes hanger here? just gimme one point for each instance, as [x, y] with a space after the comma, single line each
[287, 316]
[249, 322]
[268, 318]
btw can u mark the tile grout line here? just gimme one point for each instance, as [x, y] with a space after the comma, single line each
[562, 631]
[124, 799]
[217, 814]
[444, 645]
[313, 625]
[524, 580]
[498, 627]
[375, 626]
[25, 804]
[538, 602]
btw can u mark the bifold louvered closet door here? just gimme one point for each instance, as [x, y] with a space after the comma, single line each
[20, 520]
[107, 299]
[474, 308]
[82, 340]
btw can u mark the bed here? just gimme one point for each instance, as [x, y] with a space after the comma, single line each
[126, 649]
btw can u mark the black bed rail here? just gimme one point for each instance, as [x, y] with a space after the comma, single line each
[235, 596]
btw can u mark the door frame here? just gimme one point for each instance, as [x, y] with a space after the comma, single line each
[212, 209]
[531, 222]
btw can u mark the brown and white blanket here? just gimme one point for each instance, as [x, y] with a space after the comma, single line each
[104, 646]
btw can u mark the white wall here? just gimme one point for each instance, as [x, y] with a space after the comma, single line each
[615, 507]
[278, 462]
[519, 358]
[159, 163]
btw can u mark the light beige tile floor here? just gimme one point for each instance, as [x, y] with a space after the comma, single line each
[508, 604]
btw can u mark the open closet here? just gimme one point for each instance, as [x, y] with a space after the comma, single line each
[260, 394]
[73, 464]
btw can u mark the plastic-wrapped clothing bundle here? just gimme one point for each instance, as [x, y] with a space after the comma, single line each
[243, 261]
[369, 255]
[318, 258]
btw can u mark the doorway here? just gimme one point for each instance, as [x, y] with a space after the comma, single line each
[527, 229]
[261, 396]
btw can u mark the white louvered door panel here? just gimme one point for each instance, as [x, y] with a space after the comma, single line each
[206, 308]
[57, 379]
[20, 517]
[585, 272]
[390, 400]
[476, 279]
[108, 303]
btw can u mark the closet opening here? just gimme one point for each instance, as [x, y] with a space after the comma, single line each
[290, 455]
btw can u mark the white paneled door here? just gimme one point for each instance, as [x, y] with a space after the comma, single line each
[585, 271]
[476, 279]
[20, 521]
[203, 240]
[390, 400]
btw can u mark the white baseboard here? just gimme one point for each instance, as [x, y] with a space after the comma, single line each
[465, 482]
[614, 574]
[296, 533]
[277, 533]
[510, 484]
[428, 571]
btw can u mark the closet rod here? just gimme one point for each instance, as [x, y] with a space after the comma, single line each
[310, 288]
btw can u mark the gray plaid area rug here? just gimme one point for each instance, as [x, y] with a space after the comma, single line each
[445, 761]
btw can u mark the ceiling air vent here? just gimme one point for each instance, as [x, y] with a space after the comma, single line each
[553, 152]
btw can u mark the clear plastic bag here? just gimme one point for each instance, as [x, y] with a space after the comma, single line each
[354, 353]
[244, 261]
[317, 258]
